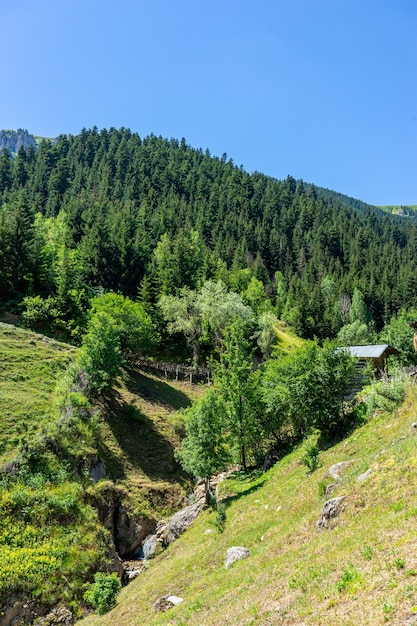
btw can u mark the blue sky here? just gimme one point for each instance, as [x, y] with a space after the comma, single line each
[324, 90]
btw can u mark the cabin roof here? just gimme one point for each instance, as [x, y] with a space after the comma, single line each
[371, 352]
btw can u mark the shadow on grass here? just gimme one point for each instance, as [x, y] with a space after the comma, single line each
[245, 492]
[140, 444]
[155, 390]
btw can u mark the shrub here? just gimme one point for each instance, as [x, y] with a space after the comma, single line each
[101, 594]
[385, 395]
[311, 457]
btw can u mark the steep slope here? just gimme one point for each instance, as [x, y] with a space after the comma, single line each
[361, 569]
[29, 367]
[58, 525]
[112, 210]
[13, 140]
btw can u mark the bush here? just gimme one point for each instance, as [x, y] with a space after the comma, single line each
[101, 594]
[385, 395]
[311, 457]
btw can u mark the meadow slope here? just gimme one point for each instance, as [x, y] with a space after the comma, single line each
[362, 569]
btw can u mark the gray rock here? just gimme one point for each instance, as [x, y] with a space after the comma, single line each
[330, 488]
[335, 470]
[149, 546]
[97, 471]
[331, 509]
[179, 523]
[167, 602]
[364, 476]
[235, 554]
[57, 617]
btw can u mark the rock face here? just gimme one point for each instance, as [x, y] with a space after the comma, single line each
[12, 140]
[128, 531]
[97, 470]
[235, 554]
[331, 508]
[167, 533]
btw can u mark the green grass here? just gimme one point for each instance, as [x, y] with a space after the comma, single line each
[409, 210]
[361, 570]
[51, 541]
[29, 367]
[140, 429]
[287, 340]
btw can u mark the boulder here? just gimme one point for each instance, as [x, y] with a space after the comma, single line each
[335, 470]
[167, 602]
[331, 508]
[235, 553]
[179, 523]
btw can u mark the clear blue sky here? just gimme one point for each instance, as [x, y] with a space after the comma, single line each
[324, 90]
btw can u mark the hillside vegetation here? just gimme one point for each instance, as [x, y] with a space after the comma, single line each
[29, 367]
[361, 569]
[144, 253]
[148, 216]
[51, 537]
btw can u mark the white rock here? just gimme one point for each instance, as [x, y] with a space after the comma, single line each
[235, 554]
[175, 600]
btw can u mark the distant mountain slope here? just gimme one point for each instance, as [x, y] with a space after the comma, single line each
[156, 215]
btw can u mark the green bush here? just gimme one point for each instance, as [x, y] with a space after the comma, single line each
[311, 457]
[101, 594]
[385, 395]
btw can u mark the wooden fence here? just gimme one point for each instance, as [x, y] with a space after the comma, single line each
[175, 370]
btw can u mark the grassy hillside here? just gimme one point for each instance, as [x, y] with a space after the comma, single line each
[403, 211]
[139, 432]
[362, 569]
[51, 541]
[29, 367]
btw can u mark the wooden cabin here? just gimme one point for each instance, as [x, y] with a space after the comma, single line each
[375, 354]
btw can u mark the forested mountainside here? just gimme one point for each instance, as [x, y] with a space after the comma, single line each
[112, 210]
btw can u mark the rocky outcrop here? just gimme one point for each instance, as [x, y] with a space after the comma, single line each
[13, 140]
[167, 602]
[166, 533]
[18, 612]
[127, 529]
[57, 617]
[235, 553]
[331, 508]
